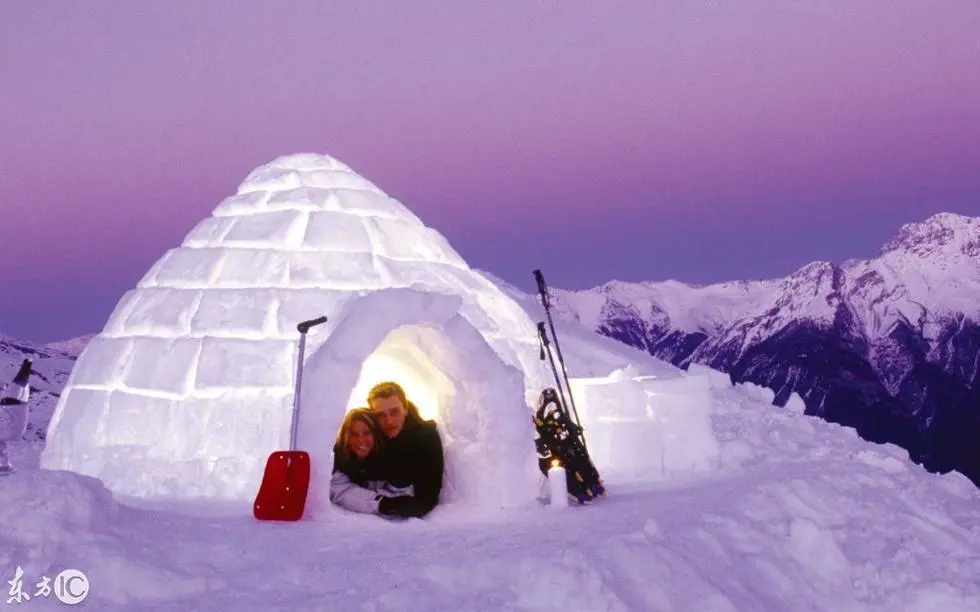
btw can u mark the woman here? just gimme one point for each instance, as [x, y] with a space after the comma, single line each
[357, 484]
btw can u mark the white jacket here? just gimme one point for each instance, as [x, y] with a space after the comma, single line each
[363, 499]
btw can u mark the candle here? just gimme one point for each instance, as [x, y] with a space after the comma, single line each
[557, 485]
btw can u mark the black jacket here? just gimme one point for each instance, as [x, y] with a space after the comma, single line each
[415, 457]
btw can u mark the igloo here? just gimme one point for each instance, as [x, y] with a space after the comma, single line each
[189, 386]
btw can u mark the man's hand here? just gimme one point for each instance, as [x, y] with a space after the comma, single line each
[403, 505]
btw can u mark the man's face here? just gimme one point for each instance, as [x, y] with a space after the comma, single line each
[390, 415]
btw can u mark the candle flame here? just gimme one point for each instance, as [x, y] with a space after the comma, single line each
[555, 463]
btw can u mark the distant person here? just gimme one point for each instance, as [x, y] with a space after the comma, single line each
[13, 412]
[413, 454]
[356, 483]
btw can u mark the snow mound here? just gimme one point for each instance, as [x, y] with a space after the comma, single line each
[45, 506]
[54, 520]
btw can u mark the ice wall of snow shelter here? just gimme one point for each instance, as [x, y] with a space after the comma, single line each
[648, 427]
[189, 385]
[425, 344]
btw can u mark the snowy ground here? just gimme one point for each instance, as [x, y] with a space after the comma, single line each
[800, 515]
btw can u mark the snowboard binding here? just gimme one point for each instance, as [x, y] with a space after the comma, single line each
[559, 439]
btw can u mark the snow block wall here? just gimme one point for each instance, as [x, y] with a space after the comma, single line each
[655, 427]
[189, 386]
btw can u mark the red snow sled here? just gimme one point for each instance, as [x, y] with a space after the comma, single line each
[286, 482]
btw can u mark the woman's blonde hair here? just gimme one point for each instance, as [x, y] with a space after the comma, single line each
[342, 448]
[393, 389]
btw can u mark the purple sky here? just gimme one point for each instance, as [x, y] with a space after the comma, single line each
[635, 141]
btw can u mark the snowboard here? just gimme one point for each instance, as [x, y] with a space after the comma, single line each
[559, 439]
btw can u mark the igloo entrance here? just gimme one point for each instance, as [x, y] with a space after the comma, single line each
[449, 370]
[400, 358]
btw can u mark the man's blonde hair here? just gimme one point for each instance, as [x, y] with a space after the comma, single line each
[393, 389]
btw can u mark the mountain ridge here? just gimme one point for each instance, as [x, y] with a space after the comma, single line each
[889, 345]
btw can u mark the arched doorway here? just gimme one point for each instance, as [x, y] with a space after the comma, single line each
[449, 369]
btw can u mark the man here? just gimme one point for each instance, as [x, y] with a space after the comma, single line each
[13, 412]
[413, 455]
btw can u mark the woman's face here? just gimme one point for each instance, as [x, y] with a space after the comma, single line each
[360, 441]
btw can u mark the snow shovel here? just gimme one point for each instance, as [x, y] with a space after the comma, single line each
[282, 495]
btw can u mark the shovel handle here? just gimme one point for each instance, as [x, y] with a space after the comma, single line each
[303, 328]
[306, 325]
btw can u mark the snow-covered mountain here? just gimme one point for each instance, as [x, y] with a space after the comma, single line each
[72, 346]
[51, 368]
[889, 345]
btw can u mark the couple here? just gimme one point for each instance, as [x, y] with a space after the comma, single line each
[387, 460]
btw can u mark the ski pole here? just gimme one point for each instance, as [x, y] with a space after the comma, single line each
[545, 346]
[543, 290]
